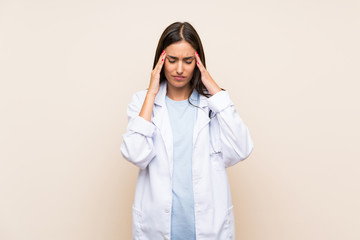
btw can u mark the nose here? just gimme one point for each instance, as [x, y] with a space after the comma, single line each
[179, 68]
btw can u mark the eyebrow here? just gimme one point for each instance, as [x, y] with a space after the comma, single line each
[186, 58]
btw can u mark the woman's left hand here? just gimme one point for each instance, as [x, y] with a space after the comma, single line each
[207, 80]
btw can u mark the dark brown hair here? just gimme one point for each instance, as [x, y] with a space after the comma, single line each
[176, 32]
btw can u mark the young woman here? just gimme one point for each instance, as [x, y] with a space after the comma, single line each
[183, 132]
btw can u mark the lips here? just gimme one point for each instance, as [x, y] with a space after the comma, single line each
[179, 77]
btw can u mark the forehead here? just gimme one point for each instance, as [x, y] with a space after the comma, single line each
[180, 49]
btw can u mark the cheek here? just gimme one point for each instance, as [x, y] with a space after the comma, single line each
[167, 67]
[191, 68]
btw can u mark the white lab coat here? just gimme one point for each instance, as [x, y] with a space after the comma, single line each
[149, 145]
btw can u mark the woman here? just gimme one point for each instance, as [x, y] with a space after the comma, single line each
[183, 132]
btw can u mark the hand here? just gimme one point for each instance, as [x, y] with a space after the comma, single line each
[155, 75]
[207, 80]
[147, 107]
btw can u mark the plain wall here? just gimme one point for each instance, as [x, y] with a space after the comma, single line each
[68, 70]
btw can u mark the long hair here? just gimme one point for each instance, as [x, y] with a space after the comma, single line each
[176, 32]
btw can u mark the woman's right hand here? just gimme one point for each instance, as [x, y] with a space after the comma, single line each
[154, 87]
[155, 75]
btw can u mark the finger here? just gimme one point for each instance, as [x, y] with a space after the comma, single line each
[199, 62]
[161, 61]
[161, 64]
[161, 58]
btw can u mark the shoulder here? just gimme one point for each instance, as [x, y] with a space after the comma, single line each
[136, 103]
[138, 97]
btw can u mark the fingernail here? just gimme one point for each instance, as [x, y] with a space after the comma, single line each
[198, 62]
[163, 52]
[162, 60]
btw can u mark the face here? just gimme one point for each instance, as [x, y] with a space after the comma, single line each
[180, 61]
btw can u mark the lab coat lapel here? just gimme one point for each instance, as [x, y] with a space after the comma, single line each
[202, 117]
[162, 121]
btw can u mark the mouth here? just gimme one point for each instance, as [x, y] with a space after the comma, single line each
[179, 77]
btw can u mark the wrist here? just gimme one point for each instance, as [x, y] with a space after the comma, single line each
[214, 90]
[151, 94]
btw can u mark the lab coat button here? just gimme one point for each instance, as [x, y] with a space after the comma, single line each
[167, 210]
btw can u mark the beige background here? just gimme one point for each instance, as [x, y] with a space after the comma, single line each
[69, 68]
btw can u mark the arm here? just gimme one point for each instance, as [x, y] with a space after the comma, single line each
[137, 146]
[234, 137]
[235, 141]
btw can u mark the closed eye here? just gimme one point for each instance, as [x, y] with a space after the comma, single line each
[174, 61]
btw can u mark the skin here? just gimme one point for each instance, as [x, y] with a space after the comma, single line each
[180, 60]
[183, 66]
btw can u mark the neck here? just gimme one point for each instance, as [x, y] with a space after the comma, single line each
[178, 94]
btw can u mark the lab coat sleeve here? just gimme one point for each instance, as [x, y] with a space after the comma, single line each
[137, 146]
[235, 140]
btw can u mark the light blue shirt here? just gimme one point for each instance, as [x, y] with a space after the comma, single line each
[182, 117]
